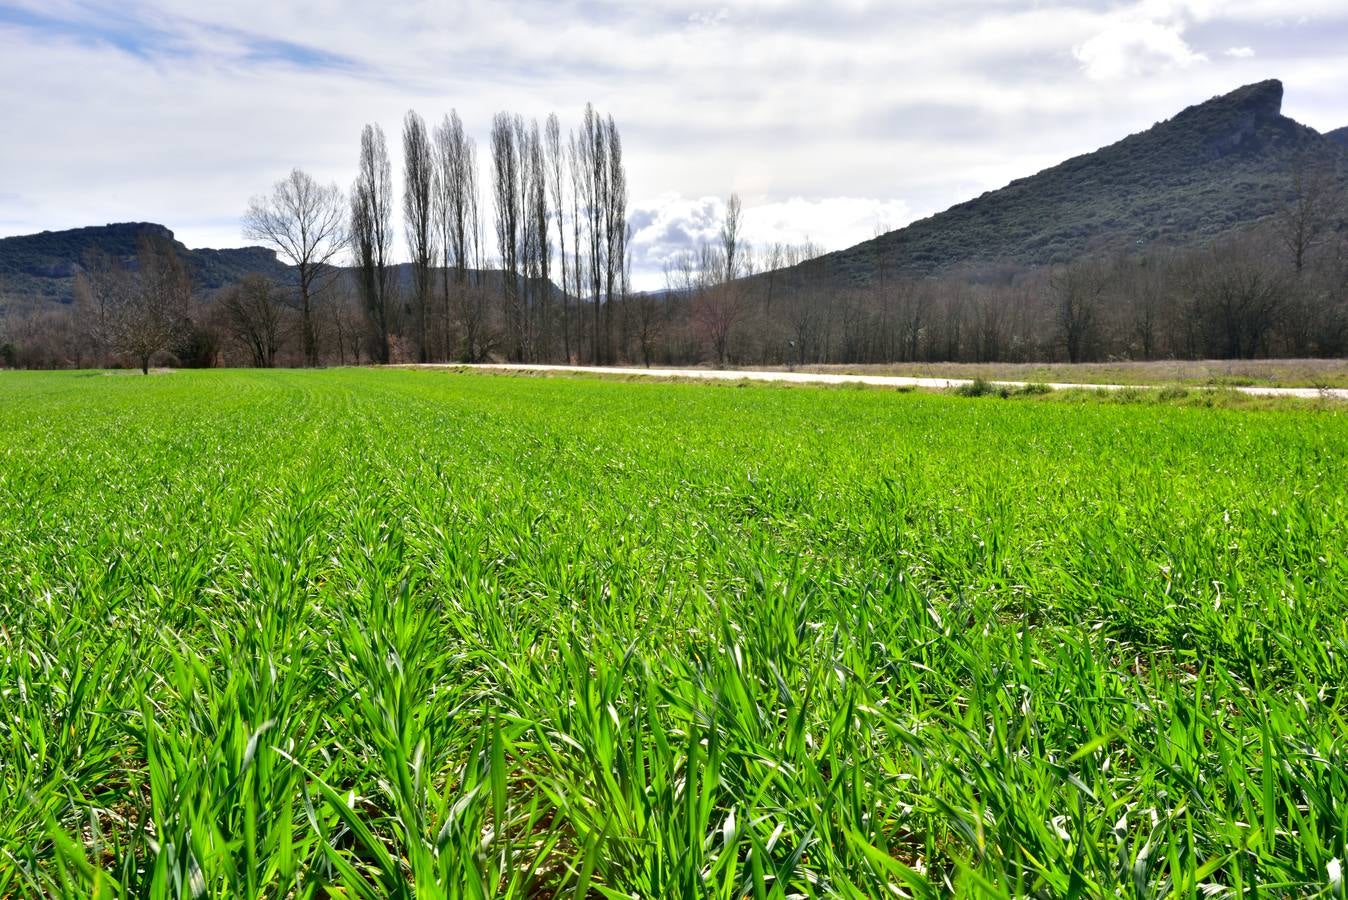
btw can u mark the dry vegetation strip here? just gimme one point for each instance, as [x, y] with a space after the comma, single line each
[1292, 373]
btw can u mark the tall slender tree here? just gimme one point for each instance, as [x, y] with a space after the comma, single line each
[540, 217]
[372, 237]
[730, 241]
[419, 222]
[526, 318]
[601, 180]
[506, 191]
[555, 161]
[576, 156]
[455, 214]
[591, 163]
[614, 201]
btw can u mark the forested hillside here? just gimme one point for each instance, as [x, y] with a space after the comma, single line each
[1211, 169]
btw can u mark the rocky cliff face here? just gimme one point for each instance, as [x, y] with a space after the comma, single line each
[1240, 121]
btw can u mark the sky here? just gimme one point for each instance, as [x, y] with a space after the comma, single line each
[833, 121]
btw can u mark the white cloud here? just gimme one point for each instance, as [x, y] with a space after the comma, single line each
[1135, 47]
[833, 222]
[1239, 52]
[708, 18]
[675, 224]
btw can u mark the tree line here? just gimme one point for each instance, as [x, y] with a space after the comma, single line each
[1243, 296]
[560, 233]
[544, 275]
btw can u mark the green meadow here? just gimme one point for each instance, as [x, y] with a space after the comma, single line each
[380, 633]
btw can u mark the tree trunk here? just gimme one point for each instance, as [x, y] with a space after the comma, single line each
[307, 325]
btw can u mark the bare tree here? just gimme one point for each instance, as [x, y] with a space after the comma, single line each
[305, 222]
[505, 157]
[651, 315]
[101, 289]
[528, 253]
[715, 306]
[540, 217]
[1237, 297]
[602, 182]
[553, 146]
[615, 223]
[803, 317]
[346, 319]
[9, 353]
[991, 325]
[456, 217]
[36, 337]
[1143, 302]
[912, 321]
[419, 222]
[254, 316]
[1304, 220]
[1076, 292]
[576, 157]
[152, 313]
[589, 161]
[480, 340]
[731, 258]
[772, 258]
[372, 237]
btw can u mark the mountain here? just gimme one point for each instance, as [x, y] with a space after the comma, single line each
[1339, 137]
[1212, 168]
[39, 267]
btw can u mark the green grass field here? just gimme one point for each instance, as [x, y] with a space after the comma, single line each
[391, 633]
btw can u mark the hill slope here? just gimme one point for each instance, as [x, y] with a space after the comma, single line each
[1339, 137]
[1214, 167]
[38, 267]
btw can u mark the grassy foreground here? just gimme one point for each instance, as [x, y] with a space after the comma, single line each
[391, 633]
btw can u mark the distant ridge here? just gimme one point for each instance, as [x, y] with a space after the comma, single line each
[37, 268]
[43, 266]
[1212, 168]
[1339, 137]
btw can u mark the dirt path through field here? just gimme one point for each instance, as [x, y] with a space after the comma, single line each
[895, 381]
